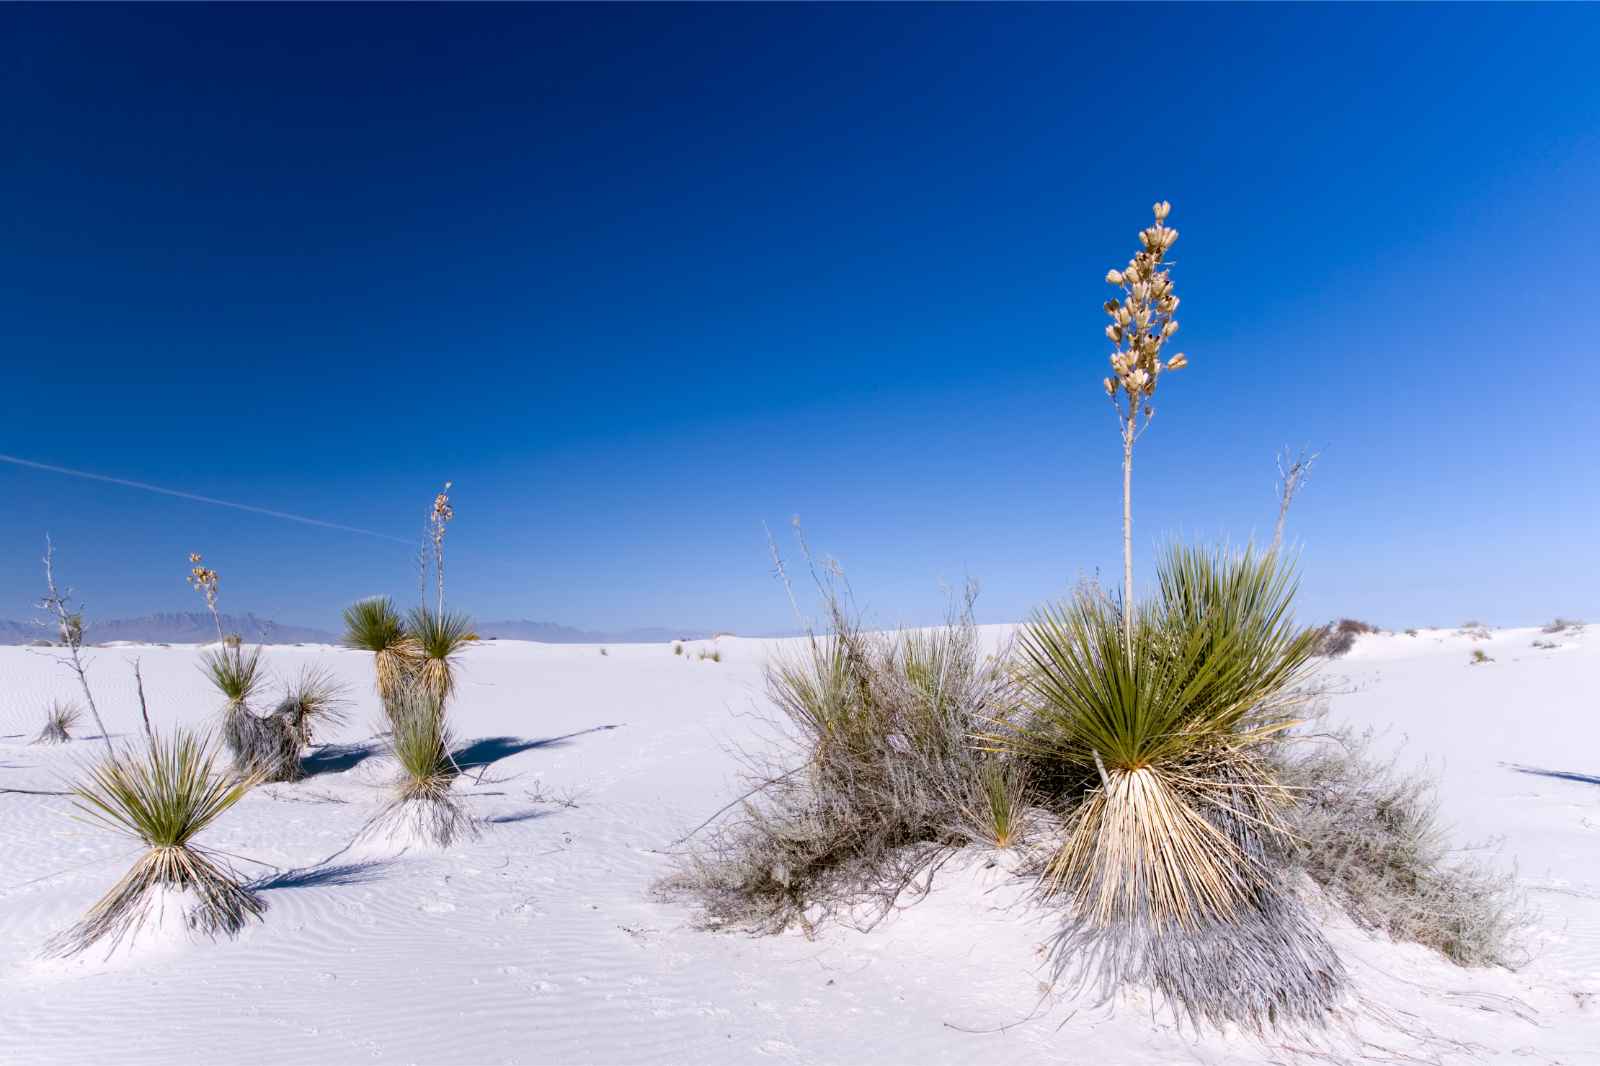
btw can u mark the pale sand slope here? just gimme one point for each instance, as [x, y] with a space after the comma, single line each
[542, 941]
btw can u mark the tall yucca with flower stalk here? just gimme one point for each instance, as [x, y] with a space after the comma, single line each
[374, 625]
[163, 796]
[1141, 324]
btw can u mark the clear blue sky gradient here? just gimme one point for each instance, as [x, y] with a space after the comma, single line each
[638, 279]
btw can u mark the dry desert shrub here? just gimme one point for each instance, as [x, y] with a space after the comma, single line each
[872, 781]
[1339, 637]
[1369, 833]
[423, 809]
[1563, 625]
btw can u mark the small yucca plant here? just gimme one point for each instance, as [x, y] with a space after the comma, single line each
[439, 637]
[996, 813]
[316, 700]
[424, 809]
[60, 717]
[237, 675]
[374, 625]
[163, 795]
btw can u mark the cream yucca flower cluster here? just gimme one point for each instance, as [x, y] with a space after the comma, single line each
[1141, 321]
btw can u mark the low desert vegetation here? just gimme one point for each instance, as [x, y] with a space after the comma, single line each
[1479, 656]
[1562, 625]
[163, 795]
[1142, 759]
[438, 637]
[60, 718]
[713, 654]
[423, 808]
[1369, 833]
[873, 778]
[1339, 637]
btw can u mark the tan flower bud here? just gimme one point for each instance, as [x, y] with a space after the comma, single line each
[1170, 328]
[1111, 387]
[1162, 209]
[1177, 362]
[1114, 331]
[1111, 308]
[1114, 277]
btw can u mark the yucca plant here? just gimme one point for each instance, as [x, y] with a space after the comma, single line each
[59, 719]
[424, 809]
[996, 812]
[237, 675]
[313, 701]
[374, 625]
[163, 795]
[1167, 729]
[1172, 863]
[439, 637]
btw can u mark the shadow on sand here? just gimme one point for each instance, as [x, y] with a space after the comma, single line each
[486, 751]
[1564, 775]
[337, 758]
[350, 873]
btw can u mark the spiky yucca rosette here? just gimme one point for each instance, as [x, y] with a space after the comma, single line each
[1172, 866]
[424, 810]
[439, 637]
[374, 625]
[60, 717]
[164, 795]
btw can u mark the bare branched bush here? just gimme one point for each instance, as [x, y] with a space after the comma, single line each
[59, 719]
[1339, 637]
[1563, 625]
[873, 779]
[1369, 833]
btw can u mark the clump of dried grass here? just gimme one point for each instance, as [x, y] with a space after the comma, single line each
[873, 780]
[60, 717]
[162, 796]
[1369, 833]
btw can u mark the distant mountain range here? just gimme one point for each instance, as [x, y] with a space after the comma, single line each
[197, 627]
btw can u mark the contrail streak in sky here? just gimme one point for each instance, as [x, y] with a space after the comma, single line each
[15, 461]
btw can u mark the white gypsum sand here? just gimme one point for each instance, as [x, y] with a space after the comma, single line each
[542, 940]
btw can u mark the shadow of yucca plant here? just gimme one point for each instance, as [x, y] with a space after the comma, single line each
[439, 637]
[1172, 864]
[374, 625]
[163, 795]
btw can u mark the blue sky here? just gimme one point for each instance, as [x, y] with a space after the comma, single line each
[639, 279]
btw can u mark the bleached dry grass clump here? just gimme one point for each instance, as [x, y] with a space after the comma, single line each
[162, 795]
[374, 625]
[874, 778]
[424, 810]
[1370, 834]
[60, 718]
[1339, 637]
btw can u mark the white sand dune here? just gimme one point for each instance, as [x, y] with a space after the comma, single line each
[542, 941]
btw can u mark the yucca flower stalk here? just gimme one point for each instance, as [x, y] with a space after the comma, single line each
[205, 581]
[439, 639]
[1141, 325]
[163, 794]
[374, 625]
